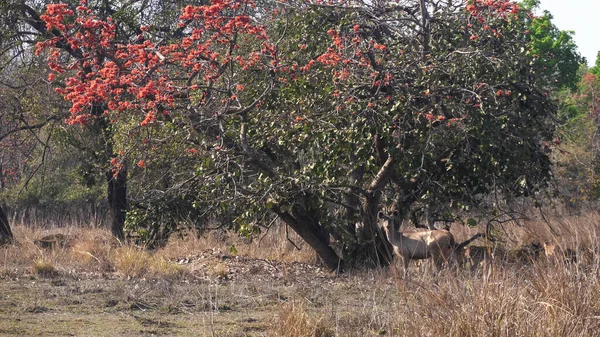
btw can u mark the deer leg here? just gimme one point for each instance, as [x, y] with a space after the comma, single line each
[442, 256]
[406, 260]
[438, 259]
[448, 255]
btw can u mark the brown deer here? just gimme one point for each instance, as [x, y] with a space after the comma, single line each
[477, 256]
[556, 253]
[437, 244]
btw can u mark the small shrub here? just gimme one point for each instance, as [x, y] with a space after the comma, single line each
[44, 267]
[93, 253]
[159, 267]
[220, 271]
[131, 261]
[294, 321]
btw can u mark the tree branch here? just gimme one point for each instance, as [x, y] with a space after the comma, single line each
[28, 127]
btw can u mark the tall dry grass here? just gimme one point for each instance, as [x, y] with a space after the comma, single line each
[94, 250]
[83, 250]
[542, 299]
[506, 297]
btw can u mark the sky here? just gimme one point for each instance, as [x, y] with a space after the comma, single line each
[581, 16]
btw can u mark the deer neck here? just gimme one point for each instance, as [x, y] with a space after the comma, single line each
[394, 237]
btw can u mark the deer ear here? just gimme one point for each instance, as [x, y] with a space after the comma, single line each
[380, 215]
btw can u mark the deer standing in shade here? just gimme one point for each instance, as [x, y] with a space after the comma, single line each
[437, 244]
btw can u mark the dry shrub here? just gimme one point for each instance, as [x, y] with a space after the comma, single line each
[73, 248]
[43, 267]
[86, 249]
[23, 251]
[181, 244]
[161, 268]
[93, 249]
[24, 255]
[295, 321]
[131, 261]
[220, 270]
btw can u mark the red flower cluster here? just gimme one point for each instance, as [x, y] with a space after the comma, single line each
[480, 8]
[138, 76]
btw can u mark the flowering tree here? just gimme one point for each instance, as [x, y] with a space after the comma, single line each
[421, 104]
[316, 112]
[186, 75]
[102, 136]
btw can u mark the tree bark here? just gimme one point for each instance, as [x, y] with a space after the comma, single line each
[425, 28]
[310, 231]
[117, 201]
[6, 235]
[350, 249]
[379, 250]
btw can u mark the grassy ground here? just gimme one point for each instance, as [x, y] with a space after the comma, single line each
[84, 284]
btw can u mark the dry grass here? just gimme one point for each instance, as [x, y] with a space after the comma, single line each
[273, 245]
[44, 268]
[161, 268]
[131, 261]
[93, 249]
[82, 249]
[533, 300]
[85, 250]
[510, 301]
[294, 320]
[504, 297]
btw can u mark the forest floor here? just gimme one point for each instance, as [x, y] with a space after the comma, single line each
[244, 298]
[82, 284]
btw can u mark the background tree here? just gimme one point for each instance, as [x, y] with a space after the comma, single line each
[577, 162]
[22, 120]
[562, 67]
[554, 51]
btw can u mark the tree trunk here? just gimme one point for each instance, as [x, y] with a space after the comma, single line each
[352, 198]
[379, 250]
[310, 232]
[117, 201]
[6, 235]
[351, 251]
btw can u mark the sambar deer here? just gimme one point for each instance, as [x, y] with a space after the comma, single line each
[438, 244]
[556, 253]
[478, 256]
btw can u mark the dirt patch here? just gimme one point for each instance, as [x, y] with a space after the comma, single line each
[221, 295]
[210, 265]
